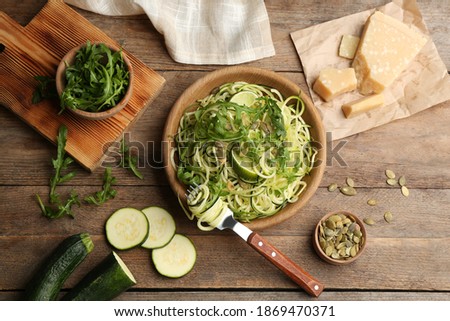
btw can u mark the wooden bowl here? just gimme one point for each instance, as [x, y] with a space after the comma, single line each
[342, 261]
[203, 87]
[69, 59]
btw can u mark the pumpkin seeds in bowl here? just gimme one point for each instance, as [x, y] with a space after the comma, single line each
[339, 238]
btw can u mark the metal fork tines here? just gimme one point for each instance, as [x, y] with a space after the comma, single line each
[227, 220]
[191, 191]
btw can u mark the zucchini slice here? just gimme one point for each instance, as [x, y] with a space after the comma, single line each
[126, 228]
[104, 282]
[47, 282]
[177, 258]
[162, 227]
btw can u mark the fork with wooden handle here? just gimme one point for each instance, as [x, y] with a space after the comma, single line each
[282, 262]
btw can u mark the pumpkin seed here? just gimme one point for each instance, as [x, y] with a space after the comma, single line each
[347, 251]
[372, 202]
[348, 243]
[321, 231]
[348, 190]
[342, 216]
[402, 181]
[332, 187]
[350, 182]
[323, 242]
[391, 181]
[388, 217]
[328, 232]
[344, 230]
[389, 173]
[346, 221]
[335, 218]
[405, 191]
[335, 255]
[369, 221]
[330, 224]
[340, 245]
[352, 227]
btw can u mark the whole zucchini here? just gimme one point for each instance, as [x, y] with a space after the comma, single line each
[104, 282]
[54, 271]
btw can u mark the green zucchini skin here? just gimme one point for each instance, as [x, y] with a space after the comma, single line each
[54, 271]
[103, 283]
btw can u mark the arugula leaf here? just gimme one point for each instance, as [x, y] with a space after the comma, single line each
[129, 161]
[46, 89]
[106, 193]
[61, 209]
[60, 163]
[276, 117]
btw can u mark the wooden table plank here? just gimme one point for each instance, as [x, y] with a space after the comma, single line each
[388, 264]
[22, 217]
[262, 295]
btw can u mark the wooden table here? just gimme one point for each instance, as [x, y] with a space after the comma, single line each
[408, 259]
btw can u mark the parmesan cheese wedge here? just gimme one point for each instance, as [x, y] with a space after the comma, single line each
[362, 105]
[348, 46]
[333, 82]
[387, 47]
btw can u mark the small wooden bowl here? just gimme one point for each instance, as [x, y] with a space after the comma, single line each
[343, 261]
[69, 59]
[204, 86]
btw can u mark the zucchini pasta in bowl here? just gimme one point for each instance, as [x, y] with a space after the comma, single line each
[251, 140]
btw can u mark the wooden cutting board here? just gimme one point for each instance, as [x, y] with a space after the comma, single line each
[36, 49]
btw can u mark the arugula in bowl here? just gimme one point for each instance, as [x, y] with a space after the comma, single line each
[93, 78]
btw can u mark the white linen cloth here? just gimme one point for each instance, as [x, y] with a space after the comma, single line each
[200, 31]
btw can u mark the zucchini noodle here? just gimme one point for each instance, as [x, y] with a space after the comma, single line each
[246, 147]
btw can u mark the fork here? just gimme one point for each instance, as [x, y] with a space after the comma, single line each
[271, 253]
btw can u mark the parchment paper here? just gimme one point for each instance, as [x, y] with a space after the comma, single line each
[423, 84]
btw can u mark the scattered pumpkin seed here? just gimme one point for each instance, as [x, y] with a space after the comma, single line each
[340, 237]
[388, 217]
[372, 202]
[405, 191]
[402, 181]
[369, 221]
[350, 182]
[391, 181]
[389, 173]
[332, 187]
[348, 190]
